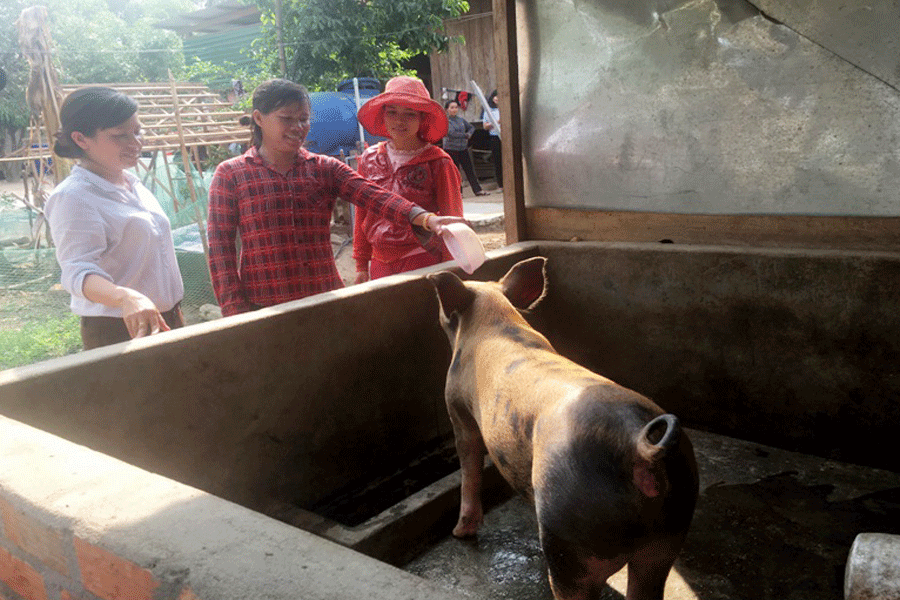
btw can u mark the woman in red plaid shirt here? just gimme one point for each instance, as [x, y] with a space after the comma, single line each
[410, 165]
[278, 198]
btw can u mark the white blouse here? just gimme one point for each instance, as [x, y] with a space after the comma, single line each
[120, 234]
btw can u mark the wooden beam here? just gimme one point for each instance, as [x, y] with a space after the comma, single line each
[507, 69]
[137, 87]
[228, 115]
[776, 231]
[210, 137]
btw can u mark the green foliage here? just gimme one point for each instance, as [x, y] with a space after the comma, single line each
[13, 113]
[107, 42]
[39, 340]
[205, 71]
[100, 41]
[327, 41]
[95, 41]
[8, 201]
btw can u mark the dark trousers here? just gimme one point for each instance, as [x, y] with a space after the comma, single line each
[103, 331]
[497, 159]
[463, 160]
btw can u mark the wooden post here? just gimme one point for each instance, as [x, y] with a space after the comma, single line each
[507, 67]
[42, 94]
[171, 182]
[186, 161]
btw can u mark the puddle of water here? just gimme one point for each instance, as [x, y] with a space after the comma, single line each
[504, 561]
[770, 525]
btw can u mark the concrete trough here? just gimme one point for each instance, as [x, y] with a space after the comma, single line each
[281, 410]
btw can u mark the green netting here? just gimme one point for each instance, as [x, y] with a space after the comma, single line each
[167, 181]
[25, 271]
[15, 225]
[28, 270]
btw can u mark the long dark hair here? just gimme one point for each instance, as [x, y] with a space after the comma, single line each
[492, 102]
[272, 95]
[88, 110]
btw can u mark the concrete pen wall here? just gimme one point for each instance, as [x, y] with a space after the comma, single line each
[91, 527]
[789, 347]
[282, 406]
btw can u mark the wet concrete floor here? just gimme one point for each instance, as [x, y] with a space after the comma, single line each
[770, 524]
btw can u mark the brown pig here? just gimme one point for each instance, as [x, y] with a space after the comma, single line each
[612, 476]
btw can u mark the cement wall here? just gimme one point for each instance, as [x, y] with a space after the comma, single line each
[282, 406]
[790, 347]
[711, 107]
[794, 348]
[95, 528]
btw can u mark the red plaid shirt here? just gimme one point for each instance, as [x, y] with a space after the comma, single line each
[284, 223]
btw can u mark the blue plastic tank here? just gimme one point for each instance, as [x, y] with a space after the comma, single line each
[334, 126]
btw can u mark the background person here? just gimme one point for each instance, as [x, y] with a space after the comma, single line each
[113, 240]
[496, 149]
[410, 165]
[278, 197]
[456, 144]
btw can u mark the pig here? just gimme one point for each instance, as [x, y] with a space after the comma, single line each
[612, 477]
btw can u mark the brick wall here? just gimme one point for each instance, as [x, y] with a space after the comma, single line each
[76, 524]
[41, 562]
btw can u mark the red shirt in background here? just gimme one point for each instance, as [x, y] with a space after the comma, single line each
[430, 179]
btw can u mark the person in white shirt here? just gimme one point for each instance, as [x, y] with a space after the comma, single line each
[113, 240]
[496, 148]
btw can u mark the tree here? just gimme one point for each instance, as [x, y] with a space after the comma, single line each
[12, 97]
[327, 41]
[13, 112]
[100, 41]
[96, 41]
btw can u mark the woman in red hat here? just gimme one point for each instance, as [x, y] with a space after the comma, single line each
[409, 165]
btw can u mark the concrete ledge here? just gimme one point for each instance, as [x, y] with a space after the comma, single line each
[93, 526]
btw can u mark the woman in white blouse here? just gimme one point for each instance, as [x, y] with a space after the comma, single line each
[113, 240]
[496, 147]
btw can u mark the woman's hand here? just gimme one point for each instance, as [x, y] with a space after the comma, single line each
[141, 316]
[361, 277]
[436, 223]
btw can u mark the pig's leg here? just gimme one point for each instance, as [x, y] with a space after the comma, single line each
[471, 450]
[574, 573]
[649, 568]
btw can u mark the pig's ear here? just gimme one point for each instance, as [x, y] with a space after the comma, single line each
[455, 297]
[525, 283]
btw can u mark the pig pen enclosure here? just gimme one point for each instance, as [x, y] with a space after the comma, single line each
[785, 371]
[715, 193]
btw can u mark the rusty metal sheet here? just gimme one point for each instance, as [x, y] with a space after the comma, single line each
[699, 106]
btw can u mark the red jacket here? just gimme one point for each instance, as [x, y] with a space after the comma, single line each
[430, 180]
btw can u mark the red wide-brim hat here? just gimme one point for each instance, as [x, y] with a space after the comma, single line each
[410, 93]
